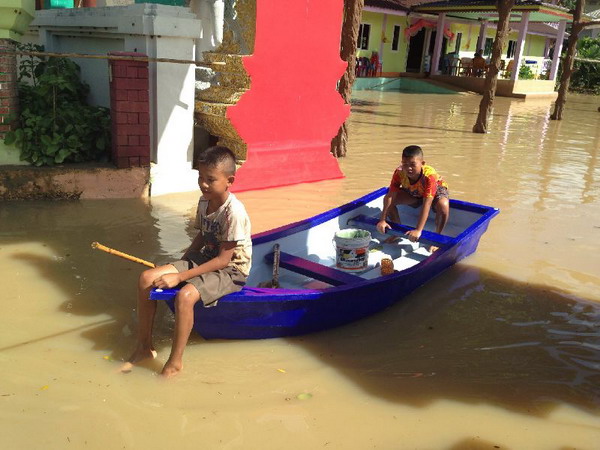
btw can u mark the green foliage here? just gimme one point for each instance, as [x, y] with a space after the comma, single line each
[589, 48]
[568, 3]
[31, 67]
[525, 73]
[586, 78]
[56, 124]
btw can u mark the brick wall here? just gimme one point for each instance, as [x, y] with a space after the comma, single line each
[9, 95]
[130, 112]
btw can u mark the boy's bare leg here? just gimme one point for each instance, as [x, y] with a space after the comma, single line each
[184, 321]
[442, 213]
[400, 198]
[146, 310]
[393, 214]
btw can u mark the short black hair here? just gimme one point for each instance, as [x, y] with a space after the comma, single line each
[219, 156]
[412, 151]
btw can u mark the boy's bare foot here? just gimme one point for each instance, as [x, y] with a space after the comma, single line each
[433, 248]
[139, 354]
[171, 369]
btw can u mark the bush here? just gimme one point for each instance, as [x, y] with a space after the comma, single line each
[56, 124]
[586, 78]
[525, 73]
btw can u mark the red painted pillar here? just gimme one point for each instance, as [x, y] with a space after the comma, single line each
[9, 93]
[292, 110]
[129, 111]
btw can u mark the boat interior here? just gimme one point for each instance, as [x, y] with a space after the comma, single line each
[308, 250]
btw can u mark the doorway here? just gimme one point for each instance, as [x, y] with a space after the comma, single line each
[415, 52]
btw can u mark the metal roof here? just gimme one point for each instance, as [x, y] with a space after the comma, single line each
[486, 9]
[396, 5]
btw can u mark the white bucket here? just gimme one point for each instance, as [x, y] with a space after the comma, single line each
[352, 249]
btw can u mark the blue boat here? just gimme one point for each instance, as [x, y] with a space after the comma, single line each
[316, 295]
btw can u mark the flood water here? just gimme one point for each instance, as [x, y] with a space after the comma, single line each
[500, 351]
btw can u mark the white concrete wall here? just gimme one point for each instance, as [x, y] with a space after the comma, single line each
[159, 31]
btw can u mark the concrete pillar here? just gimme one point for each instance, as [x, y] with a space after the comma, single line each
[520, 44]
[482, 34]
[381, 45]
[130, 112]
[426, 45]
[9, 94]
[560, 37]
[437, 49]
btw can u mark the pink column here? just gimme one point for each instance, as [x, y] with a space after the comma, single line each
[514, 75]
[560, 37]
[482, 35]
[292, 110]
[437, 48]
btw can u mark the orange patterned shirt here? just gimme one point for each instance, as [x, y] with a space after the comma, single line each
[426, 186]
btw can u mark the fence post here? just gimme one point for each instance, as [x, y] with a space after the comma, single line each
[9, 93]
[129, 111]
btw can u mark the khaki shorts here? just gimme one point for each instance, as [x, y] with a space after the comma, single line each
[212, 285]
[441, 192]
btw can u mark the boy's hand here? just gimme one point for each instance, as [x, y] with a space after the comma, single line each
[413, 235]
[382, 225]
[168, 280]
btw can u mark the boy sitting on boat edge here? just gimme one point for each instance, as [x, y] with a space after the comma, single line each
[216, 263]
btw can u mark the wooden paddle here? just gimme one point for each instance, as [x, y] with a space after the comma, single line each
[112, 251]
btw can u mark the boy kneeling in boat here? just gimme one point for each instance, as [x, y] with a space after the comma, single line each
[216, 263]
[416, 184]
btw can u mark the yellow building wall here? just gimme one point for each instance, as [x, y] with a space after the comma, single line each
[470, 33]
[534, 44]
[393, 61]
[375, 20]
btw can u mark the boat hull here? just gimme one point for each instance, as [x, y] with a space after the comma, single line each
[260, 313]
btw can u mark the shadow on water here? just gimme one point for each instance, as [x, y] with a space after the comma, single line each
[474, 337]
[94, 283]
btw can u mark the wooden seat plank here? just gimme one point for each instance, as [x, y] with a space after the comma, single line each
[314, 270]
[426, 235]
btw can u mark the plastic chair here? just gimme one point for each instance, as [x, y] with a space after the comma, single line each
[479, 67]
[509, 68]
[465, 67]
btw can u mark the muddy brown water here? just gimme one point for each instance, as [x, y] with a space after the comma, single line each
[500, 351]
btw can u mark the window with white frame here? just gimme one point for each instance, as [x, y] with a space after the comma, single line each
[396, 38]
[364, 33]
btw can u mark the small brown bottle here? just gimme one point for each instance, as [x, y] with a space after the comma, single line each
[387, 266]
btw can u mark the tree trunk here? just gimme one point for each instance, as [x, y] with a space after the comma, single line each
[352, 16]
[491, 80]
[568, 62]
